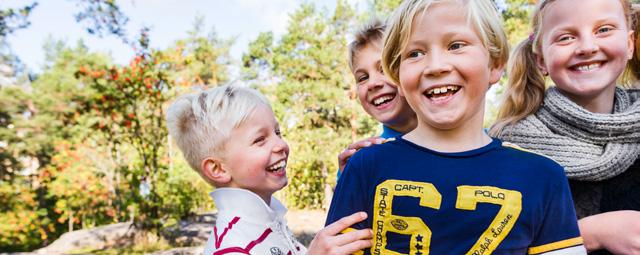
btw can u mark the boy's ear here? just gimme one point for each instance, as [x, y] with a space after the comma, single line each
[495, 75]
[541, 66]
[212, 169]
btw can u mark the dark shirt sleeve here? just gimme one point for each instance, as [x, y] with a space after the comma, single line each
[559, 227]
[351, 194]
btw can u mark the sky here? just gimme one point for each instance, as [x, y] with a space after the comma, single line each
[169, 20]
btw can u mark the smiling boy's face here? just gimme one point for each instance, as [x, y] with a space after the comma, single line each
[377, 94]
[445, 69]
[256, 155]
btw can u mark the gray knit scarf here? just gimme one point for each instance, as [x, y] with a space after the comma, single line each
[590, 146]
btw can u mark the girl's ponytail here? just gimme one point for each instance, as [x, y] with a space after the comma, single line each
[525, 87]
[631, 75]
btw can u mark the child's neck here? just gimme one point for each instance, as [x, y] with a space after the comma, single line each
[267, 200]
[408, 125]
[459, 139]
[600, 103]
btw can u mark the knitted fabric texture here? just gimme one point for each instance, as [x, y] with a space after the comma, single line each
[590, 146]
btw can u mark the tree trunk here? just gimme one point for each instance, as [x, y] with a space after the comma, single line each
[70, 220]
[328, 191]
[170, 152]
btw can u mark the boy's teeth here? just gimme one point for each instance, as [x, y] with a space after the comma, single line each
[275, 167]
[588, 67]
[442, 90]
[381, 100]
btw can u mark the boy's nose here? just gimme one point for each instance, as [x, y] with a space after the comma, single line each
[281, 146]
[436, 65]
[376, 82]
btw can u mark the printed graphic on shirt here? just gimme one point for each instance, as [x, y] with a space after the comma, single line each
[276, 251]
[468, 197]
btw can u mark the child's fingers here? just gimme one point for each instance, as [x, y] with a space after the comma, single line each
[354, 247]
[360, 144]
[352, 148]
[377, 140]
[343, 157]
[353, 236]
[344, 223]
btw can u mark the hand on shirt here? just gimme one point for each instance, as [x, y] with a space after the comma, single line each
[329, 240]
[352, 148]
[617, 231]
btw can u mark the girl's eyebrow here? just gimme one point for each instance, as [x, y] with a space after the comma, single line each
[571, 27]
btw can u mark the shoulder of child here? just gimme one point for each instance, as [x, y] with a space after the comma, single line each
[534, 159]
[378, 148]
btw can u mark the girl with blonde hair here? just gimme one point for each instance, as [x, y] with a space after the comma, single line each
[587, 122]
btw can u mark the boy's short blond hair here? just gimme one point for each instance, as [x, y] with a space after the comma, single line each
[482, 15]
[201, 122]
[369, 32]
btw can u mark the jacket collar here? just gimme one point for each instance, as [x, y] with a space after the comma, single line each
[246, 204]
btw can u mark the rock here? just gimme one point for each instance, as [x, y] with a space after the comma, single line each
[192, 232]
[95, 238]
[199, 250]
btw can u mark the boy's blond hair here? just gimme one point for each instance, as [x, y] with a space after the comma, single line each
[370, 32]
[526, 85]
[482, 15]
[201, 122]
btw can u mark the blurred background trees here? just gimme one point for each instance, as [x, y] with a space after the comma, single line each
[83, 143]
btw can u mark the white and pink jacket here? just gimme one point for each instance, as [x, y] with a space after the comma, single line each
[247, 225]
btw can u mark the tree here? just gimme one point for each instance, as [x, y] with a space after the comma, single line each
[306, 77]
[198, 59]
[14, 19]
[37, 117]
[128, 110]
[102, 17]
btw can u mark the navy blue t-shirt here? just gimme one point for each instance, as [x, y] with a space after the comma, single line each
[497, 199]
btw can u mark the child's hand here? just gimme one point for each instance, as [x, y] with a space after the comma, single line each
[329, 241]
[352, 148]
[618, 232]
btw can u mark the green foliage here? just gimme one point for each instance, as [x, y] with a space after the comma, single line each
[36, 119]
[23, 225]
[102, 17]
[311, 96]
[129, 110]
[14, 19]
[516, 20]
[183, 193]
[11, 105]
[385, 7]
[79, 187]
[198, 59]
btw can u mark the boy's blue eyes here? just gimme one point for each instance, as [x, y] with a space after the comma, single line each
[258, 140]
[362, 78]
[605, 29]
[452, 46]
[264, 138]
[456, 46]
